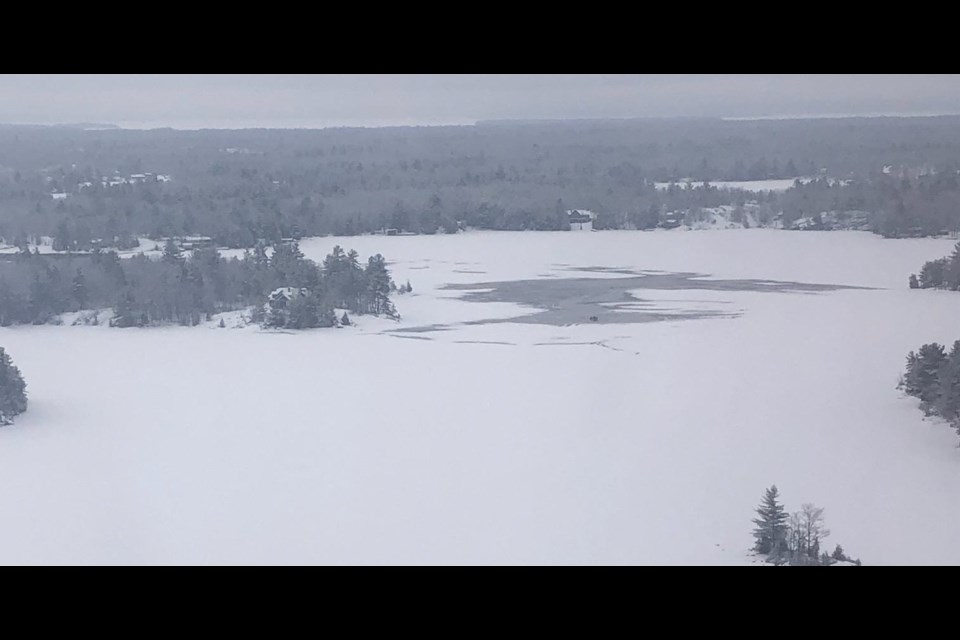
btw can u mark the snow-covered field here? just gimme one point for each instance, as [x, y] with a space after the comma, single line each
[500, 442]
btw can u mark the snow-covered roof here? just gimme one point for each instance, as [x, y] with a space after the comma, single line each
[287, 292]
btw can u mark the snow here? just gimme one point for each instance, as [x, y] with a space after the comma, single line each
[755, 186]
[503, 442]
[147, 246]
[45, 246]
[721, 217]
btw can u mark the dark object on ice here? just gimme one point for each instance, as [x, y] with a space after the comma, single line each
[594, 319]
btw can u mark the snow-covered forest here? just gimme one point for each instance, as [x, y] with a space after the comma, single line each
[141, 291]
[107, 188]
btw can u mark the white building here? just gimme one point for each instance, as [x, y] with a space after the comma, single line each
[581, 219]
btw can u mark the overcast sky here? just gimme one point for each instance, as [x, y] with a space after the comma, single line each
[224, 101]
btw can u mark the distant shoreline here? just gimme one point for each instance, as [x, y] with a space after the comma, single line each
[295, 126]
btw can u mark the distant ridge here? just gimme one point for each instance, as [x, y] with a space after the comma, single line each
[85, 126]
[559, 121]
[654, 119]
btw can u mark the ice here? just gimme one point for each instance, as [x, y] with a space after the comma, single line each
[499, 442]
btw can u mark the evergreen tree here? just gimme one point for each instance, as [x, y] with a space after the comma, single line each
[931, 275]
[914, 283]
[275, 318]
[929, 360]
[124, 314]
[80, 289]
[327, 318]
[13, 394]
[951, 274]
[771, 530]
[910, 382]
[378, 286]
[259, 257]
[171, 252]
[947, 405]
[304, 312]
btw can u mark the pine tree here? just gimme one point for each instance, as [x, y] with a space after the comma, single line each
[771, 530]
[259, 257]
[929, 359]
[910, 382]
[914, 283]
[345, 319]
[327, 317]
[171, 252]
[13, 390]
[276, 318]
[948, 403]
[123, 311]
[304, 312]
[931, 275]
[80, 289]
[377, 294]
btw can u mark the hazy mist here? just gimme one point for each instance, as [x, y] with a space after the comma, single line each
[295, 101]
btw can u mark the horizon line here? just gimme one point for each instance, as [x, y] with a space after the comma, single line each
[128, 125]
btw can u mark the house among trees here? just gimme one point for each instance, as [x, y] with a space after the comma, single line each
[280, 298]
[195, 242]
[807, 223]
[581, 219]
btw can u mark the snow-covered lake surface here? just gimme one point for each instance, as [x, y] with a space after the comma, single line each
[468, 439]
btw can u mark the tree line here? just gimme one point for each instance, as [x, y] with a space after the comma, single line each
[186, 289]
[943, 273]
[933, 375]
[242, 186]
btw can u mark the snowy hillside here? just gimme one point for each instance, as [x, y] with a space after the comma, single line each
[469, 433]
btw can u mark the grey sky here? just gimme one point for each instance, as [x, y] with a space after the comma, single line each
[223, 101]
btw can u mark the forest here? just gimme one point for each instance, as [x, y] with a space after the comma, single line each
[181, 289]
[107, 188]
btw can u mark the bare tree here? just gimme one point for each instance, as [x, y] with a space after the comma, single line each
[806, 531]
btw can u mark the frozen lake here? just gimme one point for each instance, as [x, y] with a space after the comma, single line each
[720, 362]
